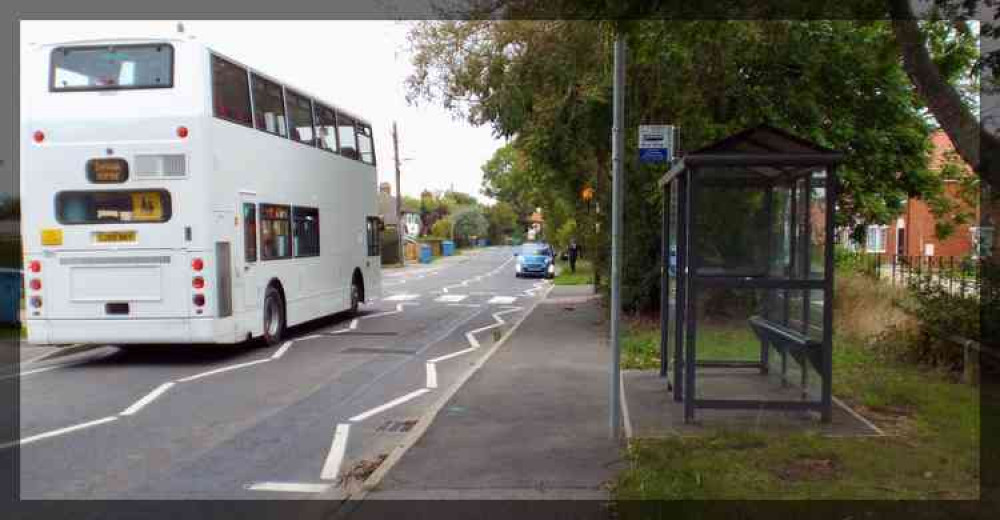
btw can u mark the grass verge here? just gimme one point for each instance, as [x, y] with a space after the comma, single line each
[931, 452]
[584, 273]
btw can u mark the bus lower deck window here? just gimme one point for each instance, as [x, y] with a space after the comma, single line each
[112, 206]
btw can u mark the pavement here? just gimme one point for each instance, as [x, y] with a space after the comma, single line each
[306, 421]
[531, 424]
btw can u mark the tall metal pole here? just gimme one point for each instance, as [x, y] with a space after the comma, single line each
[617, 146]
[400, 233]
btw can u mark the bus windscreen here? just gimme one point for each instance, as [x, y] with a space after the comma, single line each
[112, 67]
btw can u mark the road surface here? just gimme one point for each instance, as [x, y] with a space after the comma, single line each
[308, 419]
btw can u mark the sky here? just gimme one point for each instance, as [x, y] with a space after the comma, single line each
[357, 65]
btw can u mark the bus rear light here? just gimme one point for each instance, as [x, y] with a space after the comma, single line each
[182, 132]
[38, 136]
[35, 302]
[197, 264]
[199, 299]
[35, 284]
[35, 266]
[198, 282]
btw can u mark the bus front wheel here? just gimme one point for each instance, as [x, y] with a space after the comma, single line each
[274, 317]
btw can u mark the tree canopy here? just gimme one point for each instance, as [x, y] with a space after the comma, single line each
[546, 85]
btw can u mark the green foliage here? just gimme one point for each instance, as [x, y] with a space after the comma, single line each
[502, 221]
[411, 204]
[469, 224]
[441, 228]
[563, 235]
[547, 86]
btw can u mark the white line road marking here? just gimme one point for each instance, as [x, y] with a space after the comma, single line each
[402, 297]
[472, 340]
[223, 369]
[289, 487]
[29, 372]
[55, 433]
[313, 336]
[464, 305]
[453, 354]
[138, 405]
[331, 468]
[395, 402]
[281, 351]
[502, 300]
[451, 298]
[399, 309]
[432, 376]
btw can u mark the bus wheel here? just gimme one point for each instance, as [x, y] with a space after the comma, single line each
[355, 297]
[274, 317]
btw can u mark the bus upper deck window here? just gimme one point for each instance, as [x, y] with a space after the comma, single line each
[112, 67]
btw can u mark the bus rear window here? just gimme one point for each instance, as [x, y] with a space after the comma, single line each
[112, 67]
[112, 207]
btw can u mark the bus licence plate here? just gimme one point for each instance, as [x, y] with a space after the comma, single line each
[115, 236]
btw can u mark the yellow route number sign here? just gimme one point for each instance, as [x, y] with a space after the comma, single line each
[52, 237]
[147, 205]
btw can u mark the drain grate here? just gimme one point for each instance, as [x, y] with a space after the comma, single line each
[397, 426]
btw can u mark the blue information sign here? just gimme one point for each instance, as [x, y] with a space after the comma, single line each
[656, 143]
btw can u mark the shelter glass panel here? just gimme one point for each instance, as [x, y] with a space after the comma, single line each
[733, 327]
[730, 232]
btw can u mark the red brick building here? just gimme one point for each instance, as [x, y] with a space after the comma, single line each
[912, 233]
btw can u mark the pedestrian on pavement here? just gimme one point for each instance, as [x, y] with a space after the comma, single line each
[574, 250]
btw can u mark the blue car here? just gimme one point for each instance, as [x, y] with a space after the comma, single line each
[535, 259]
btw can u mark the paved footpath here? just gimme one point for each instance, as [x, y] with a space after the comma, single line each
[530, 424]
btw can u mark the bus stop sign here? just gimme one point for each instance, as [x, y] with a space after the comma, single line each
[656, 143]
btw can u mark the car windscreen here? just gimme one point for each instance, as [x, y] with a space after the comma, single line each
[112, 67]
[535, 250]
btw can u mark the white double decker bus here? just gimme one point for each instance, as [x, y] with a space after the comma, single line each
[173, 195]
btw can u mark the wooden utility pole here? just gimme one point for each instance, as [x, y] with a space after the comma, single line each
[400, 233]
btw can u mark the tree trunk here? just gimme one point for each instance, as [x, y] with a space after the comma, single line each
[974, 143]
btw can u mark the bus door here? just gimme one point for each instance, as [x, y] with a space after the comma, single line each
[373, 261]
[245, 282]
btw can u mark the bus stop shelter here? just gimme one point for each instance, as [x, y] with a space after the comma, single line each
[751, 221]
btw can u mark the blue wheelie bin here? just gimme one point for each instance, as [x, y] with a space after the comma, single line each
[425, 253]
[447, 248]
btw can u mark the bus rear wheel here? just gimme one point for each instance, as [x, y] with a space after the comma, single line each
[355, 296]
[274, 317]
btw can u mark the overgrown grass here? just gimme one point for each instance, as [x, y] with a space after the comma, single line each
[931, 452]
[584, 273]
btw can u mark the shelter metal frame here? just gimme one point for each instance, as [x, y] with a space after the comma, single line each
[760, 158]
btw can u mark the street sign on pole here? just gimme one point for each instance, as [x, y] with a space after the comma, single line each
[656, 143]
